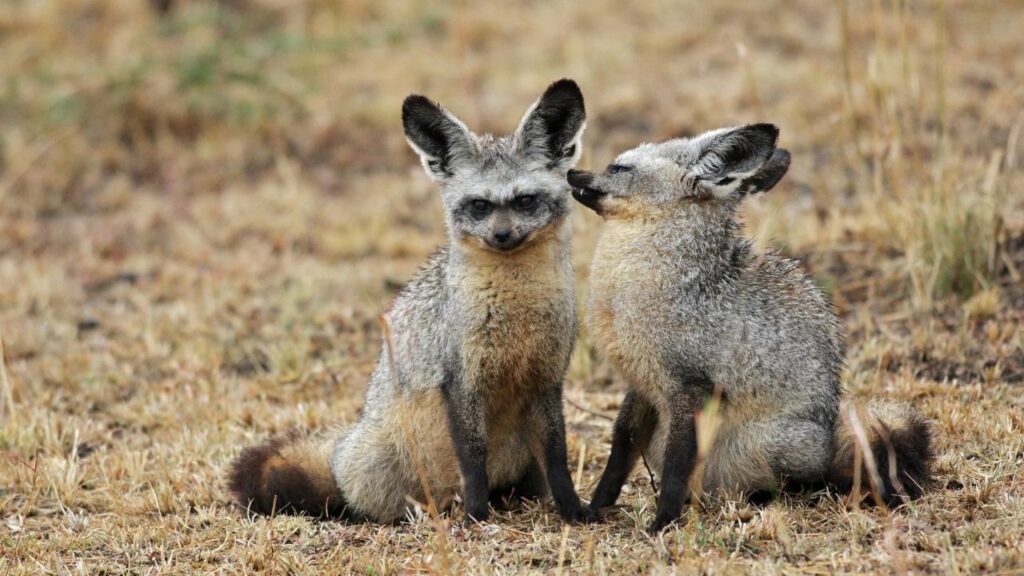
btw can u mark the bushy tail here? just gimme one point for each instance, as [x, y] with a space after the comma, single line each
[892, 442]
[287, 474]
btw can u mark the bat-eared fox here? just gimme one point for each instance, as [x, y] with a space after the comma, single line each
[684, 308]
[466, 397]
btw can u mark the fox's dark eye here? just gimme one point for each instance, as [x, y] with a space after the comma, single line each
[524, 202]
[725, 181]
[618, 168]
[481, 207]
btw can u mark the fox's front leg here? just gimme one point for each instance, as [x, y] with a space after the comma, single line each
[679, 459]
[547, 429]
[630, 437]
[466, 423]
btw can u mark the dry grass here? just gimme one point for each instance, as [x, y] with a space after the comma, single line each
[202, 215]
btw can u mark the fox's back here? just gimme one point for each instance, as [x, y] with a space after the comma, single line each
[780, 340]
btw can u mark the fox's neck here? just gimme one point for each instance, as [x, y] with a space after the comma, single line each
[702, 249]
[708, 238]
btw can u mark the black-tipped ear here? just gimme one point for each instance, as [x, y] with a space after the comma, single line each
[730, 156]
[736, 152]
[441, 140]
[769, 175]
[551, 129]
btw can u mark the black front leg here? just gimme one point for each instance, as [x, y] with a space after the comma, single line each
[678, 462]
[630, 436]
[469, 437]
[549, 431]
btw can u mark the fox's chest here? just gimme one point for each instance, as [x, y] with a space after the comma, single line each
[519, 329]
[629, 317]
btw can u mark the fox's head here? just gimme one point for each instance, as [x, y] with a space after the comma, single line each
[501, 193]
[715, 170]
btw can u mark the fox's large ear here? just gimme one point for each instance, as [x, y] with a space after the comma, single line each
[740, 160]
[552, 128]
[442, 141]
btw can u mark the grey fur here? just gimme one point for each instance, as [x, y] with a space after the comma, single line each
[681, 304]
[466, 395]
[488, 328]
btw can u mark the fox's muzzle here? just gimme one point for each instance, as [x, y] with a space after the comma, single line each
[501, 234]
[504, 240]
[581, 181]
[579, 178]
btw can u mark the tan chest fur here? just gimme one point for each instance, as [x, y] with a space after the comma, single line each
[519, 316]
[624, 308]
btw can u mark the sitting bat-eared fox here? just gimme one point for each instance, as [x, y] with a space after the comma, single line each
[466, 396]
[684, 308]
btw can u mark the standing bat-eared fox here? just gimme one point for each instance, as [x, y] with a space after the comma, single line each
[466, 396]
[683, 307]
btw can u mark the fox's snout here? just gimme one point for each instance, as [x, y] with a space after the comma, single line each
[582, 190]
[579, 178]
[501, 232]
[504, 239]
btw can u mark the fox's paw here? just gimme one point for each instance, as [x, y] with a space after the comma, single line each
[579, 514]
[474, 517]
[595, 513]
[661, 521]
[590, 516]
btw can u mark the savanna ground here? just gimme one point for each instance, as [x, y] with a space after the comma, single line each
[203, 212]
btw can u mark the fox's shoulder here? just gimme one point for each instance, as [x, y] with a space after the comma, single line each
[429, 282]
[418, 309]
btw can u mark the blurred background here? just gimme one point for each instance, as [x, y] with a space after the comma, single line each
[205, 205]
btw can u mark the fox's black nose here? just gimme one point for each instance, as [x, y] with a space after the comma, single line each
[503, 239]
[579, 178]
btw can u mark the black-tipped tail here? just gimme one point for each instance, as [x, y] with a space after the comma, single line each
[896, 467]
[286, 475]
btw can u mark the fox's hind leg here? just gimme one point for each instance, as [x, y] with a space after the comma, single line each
[766, 455]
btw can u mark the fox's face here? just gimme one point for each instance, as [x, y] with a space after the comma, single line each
[717, 168]
[501, 193]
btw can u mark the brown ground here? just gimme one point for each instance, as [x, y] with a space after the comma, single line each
[202, 215]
